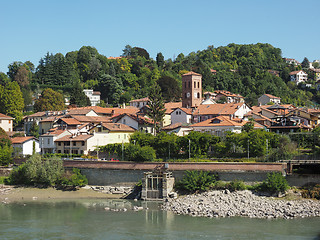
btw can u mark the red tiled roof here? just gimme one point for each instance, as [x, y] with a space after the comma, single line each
[53, 132]
[70, 121]
[139, 119]
[227, 93]
[91, 119]
[217, 109]
[170, 106]
[117, 127]
[174, 126]
[2, 116]
[96, 93]
[295, 72]
[79, 111]
[18, 140]
[271, 96]
[77, 138]
[146, 99]
[191, 73]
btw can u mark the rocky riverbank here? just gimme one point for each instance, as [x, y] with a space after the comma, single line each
[241, 203]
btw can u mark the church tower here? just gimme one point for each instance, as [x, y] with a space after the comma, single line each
[191, 89]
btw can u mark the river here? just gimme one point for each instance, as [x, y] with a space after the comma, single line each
[88, 219]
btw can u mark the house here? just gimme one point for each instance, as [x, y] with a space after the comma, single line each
[170, 107]
[214, 72]
[6, 122]
[232, 110]
[291, 61]
[228, 96]
[316, 74]
[220, 125]
[181, 115]
[139, 103]
[179, 129]
[47, 140]
[274, 72]
[298, 76]
[25, 145]
[136, 122]
[98, 135]
[94, 96]
[268, 98]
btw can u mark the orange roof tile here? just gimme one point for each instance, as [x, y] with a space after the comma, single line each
[70, 121]
[191, 73]
[271, 96]
[118, 127]
[76, 138]
[2, 116]
[146, 99]
[19, 140]
[170, 106]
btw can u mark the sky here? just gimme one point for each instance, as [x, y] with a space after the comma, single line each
[30, 29]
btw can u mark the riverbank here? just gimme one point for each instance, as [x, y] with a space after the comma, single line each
[241, 203]
[14, 194]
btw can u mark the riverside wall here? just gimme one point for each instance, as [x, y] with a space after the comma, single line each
[129, 173]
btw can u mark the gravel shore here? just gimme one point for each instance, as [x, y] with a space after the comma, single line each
[241, 203]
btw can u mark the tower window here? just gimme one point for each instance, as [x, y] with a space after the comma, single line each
[189, 84]
[195, 84]
[198, 84]
[198, 95]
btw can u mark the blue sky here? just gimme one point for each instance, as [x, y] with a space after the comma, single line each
[30, 29]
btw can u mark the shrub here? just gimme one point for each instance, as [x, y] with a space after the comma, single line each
[311, 192]
[37, 171]
[75, 179]
[275, 183]
[139, 154]
[236, 185]
[196, 181]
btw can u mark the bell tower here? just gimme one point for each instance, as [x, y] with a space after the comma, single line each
[191, 89]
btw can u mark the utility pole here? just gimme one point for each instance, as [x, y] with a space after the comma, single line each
[189, 149]
[248, 149]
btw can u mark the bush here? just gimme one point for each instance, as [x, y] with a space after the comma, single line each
[236, 185]
[37, 171]
[75, 179]
[311, 192]
[196, 181]
[275, 183]
[139, 154]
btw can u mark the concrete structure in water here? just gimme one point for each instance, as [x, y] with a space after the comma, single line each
[157, 185]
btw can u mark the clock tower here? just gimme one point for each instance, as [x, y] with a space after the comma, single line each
[191, 89]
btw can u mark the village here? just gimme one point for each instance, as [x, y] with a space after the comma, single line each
[81, 130]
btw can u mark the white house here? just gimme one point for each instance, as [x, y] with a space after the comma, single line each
[220, 125]
[298, 76]
[267, 98]
[94, 96]
[25, 145]
[139, 103]
[136, 122]
[47, 140]
[181, 115]
[179, 129]
[6, 122]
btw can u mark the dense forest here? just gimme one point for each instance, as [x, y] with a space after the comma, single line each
[241, 69]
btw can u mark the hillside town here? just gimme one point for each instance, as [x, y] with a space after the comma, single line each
[80, 130]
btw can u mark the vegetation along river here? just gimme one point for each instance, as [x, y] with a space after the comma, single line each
[117, 219]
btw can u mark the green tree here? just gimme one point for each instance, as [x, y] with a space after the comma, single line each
[11, 99]
[34, 130]
[49, 100]
[5, 148]
[160, 60]
[78, 97]
[22, 76]
[170, 88]
[156, 110]
[305, 63]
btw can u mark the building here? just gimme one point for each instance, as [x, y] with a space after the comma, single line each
[47, 140]
[291, 61]
[181, 115]
[191, 89]
[268, 98]
[179, 129]
[25, 146]
[139, 103]
[228, 96]
[298, 77]
[6, 122]
[94, 96]
[220, 125]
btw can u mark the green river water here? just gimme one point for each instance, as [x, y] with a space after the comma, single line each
[88, 219]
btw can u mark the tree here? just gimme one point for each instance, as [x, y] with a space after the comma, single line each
[78, 97]
[11, 99]
[49, 100]
[156, 110]
[305, 63]
[22, 76]
[170, 88]
[5, 148]
[111, 88]
[160, 60]
[34, 130]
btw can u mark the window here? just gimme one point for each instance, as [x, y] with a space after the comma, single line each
[59, 143]
[195, 84]
[48, 141]
[74, 143]
[82, 143]
[185, 84]
[124, 121]
[177, 113]
[198, 95]
[189, 84]
[198, 84]
[81, 151]
[67, 143]
[59, 151]
[124, 136]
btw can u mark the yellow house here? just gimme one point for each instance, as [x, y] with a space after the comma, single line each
[99, 135]
[6, 122]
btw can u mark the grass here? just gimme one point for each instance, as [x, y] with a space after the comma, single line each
[2, 179]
